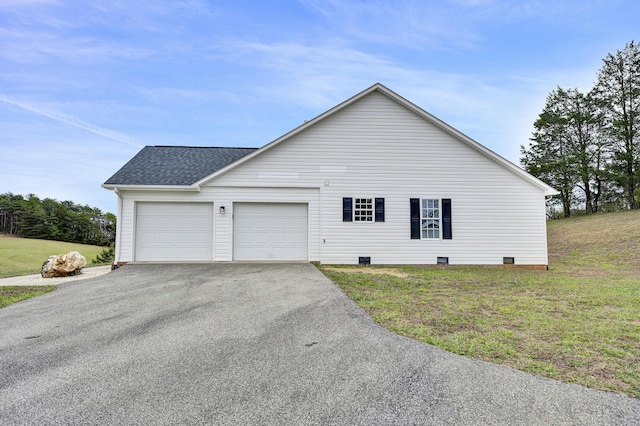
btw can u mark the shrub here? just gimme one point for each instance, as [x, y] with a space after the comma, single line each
[107, 256]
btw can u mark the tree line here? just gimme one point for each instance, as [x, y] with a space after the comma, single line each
[586, 145]
[49, 219]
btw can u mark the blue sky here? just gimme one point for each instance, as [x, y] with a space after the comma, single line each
[85, 85]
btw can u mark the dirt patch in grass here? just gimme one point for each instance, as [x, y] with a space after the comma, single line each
[368, 270]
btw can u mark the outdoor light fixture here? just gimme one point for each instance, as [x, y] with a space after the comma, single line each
[221, 209]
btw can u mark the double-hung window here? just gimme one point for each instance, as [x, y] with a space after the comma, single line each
[430, 216]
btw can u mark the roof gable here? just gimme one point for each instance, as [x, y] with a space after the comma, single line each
[548, 190]
[174, 165]
[192, 167]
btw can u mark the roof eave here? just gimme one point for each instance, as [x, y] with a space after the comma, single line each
[116, 187]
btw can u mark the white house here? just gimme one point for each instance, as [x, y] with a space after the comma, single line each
[375, 179]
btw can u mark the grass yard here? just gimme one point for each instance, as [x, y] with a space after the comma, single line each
[24, 256]
[578, 322]
[13, 294]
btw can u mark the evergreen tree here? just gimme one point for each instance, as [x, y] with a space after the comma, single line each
[587, 145]
[49, 219]
[565, 151]
[618, 95]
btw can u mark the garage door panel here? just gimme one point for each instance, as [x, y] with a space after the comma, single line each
[174, 231]
[270, 231]
[190, 238]
[150, 238]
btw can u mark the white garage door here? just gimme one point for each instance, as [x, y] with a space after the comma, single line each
[269, 231]
[174, 232]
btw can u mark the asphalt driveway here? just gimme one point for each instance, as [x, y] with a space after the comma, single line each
[251, 344]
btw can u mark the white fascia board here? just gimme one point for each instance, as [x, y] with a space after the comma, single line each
[189, 188]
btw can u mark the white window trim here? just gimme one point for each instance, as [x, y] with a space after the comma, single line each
[370, 211]
[439, 218]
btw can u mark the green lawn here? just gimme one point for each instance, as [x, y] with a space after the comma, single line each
[578, 322]
[23, 256]
[13, 294]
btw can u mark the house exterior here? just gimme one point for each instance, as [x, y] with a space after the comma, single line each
[375, 179]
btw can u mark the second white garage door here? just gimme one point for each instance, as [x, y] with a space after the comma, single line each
[270, 231]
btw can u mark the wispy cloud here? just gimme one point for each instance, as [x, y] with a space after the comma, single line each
[176, 93]
[25, 3]
[37, 46]
[37, 30]
[318, 76]
[449, 25]
[497, 112]
[412, 24]
[572, 13]
[73, 121]
[152, 16]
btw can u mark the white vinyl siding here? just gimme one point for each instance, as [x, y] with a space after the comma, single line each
[124, 228]
[377, 146]
[223, 229]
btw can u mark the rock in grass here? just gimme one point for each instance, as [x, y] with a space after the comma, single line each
[63, 265]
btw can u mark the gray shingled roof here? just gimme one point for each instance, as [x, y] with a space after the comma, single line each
[175, 165]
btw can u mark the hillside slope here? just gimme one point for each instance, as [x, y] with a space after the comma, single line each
[22, 256]
[603, 240]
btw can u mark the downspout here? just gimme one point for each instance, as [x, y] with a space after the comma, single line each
[116, 259]
[544, 216]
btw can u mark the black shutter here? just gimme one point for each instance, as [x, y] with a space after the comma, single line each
[415, 218]
[379, 209]
[347, 209]
[446, 219]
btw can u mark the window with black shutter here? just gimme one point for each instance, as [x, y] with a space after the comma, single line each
[431, 219]
[362, 209]
[379, 209]
[347, 209]
[415, 218]
[446, 219]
